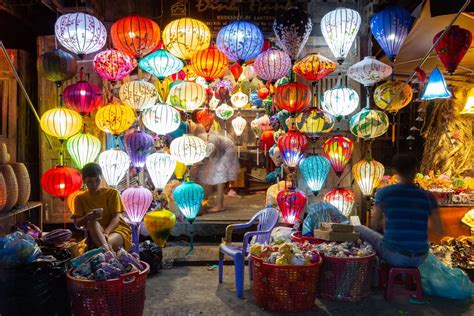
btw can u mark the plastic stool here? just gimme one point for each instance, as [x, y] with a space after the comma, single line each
[409, 277]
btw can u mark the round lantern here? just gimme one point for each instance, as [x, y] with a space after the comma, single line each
[82, 97]
[315, 170]
[314, 122]
[239, 99]
[264, 123]
[224, 111]
[292, 28]
[254, 100]
[293, 97]
[138, 146]
[205, 118]
[80, 33]
[340, 101]
[369, 71]
[187, 96]
[369, 123]
[161, 119]
[113, 65]
[138, 94]
[188, 149]
[385, 93]
[83, 148]
[184, 37]
[268, 140]
[61, 181]
[161, 64]
[114, 163]
[240, 41]
[159, 224]
[338, 150]
[452, 47]
[135, 35]
[209, 63]
[292, 146]
[274, 153]
[61, 123]
[70, 200]
[114, 118]
[160, 167]
[368, 173]
[272, 64]
[136, 201]
[188, 196]
[342, 199]
[57, 66]
[291, 202]
[339, 28]
[239, 124]
[314, 67]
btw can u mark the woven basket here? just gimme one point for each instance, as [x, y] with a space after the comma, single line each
[11, 185]
[3, 192]
[24, 183]
[4, 155]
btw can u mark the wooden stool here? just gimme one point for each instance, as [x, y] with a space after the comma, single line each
[409, 277]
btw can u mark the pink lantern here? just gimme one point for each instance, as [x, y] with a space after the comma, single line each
[292, 203]
[82, 97]
[264, 123]
[113, 65]
[272, 64]
[342, 199]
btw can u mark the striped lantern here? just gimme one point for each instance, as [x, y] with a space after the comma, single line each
[188, 196]
[342, 199]
[314, 67]
[291, 202]
[209, 63]
[113, 65]
[114, 163]
[57, 66]
[138, 146]
[187, 96]
[161, 63]
[315, 170]
[136, 201]
[368, 173]
[114, 118]
[161, 119]
[384, 96]
[338, 150]
[70, 201]
[83, 97]
[369, 71]
[83, 148]
[340, 101]
[272, 64]
[292, 146]
[61, 123]
[293, 97]
[188, 149]
[240, 41]
[160, 167]
[61, 181]
[368, 123]
[184, 37]
[138, 94]
[314, 122]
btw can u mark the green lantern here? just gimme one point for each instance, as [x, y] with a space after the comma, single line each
[314, 122]
[369, 123]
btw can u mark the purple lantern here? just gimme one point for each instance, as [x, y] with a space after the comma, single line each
[272, 64]
[82, 97]
[138, 146]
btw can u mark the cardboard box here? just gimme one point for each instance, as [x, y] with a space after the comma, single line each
[335, 227]
[335, 236]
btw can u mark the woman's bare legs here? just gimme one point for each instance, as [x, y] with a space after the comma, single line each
[96, 233]
[219, 199]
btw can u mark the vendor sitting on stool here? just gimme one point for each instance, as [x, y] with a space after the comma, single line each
[98, 209]
[404, 212]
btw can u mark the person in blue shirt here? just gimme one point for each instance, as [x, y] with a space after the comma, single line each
[404, 212]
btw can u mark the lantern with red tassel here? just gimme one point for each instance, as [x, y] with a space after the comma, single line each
[210, 63]
[267, 140]
[61, 181]
[293, 97]
[452, 47]
[338, 150]
[292, 203]
[292, 146]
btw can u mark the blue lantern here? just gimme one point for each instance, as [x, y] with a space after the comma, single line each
[240, 41]
[436, 87]
[254, 100]
[314, 170]
[390, 28]
[188, 196]
[161, 64]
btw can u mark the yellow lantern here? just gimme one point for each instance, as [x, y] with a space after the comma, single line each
[469, 106]
[185, 36]
[61, 123]
[180, 170]
[114, 118]
[187, 96]
[163, 88]
[368, 173]
[71, 198]
[159, 224]
[386, 92]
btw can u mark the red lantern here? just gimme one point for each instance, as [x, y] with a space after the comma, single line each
[263, 92]
[236, 70]
[293, 97]
[338, 150]
[210, 63]
[82, 97]
[292, 203]
[113, 65]
[292, 146]
[267, 140]
[61, 181]
[314, 67]
[342, 199]
[452, 47]
[180, 75]
[266, 44]
[205, 118]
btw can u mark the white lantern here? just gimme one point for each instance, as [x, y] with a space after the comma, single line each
[138, 94]
[340, 101]
[161, 119]
[369, 71]
[160, 167]
[239, 99]
[188, 149]
[239, 124]
[80, 33]
[115, 163]
[214, 103]
[224, 111]
[249, 72]
[187, 96]
[339, 28]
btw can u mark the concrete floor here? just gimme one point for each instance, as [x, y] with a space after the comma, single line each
[195, 291]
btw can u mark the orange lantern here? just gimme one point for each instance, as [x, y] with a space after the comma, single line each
[267, 140]
[209, 63]
[314, 67]
[293, 97]
[71, 198]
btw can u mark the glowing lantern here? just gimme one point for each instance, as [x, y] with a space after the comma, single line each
[188, 149]
[135, 35]
[57, 66]
[161, 119]
[113, 65]
[80, 33]
[255, 127]
[314, 67]
[292, 146]
[209, 63]
[452, 47]
[236, 70]
[180, 170]
[83, 148]
[205, 118]
[240, 41]
[275, 155]
[314, 122]
[338, 150]
[239, 124]
[342, 199]
[138, 94]
[340, 101]
[291, 202]
[114, 118]
[82, 97]
[187, 96]
[138, 146]
[61, 181]
[239, 99]
[184, 37]
[339, 28]
[315, 170]
[293, 97]
[369, 123]
[436, 87]
[160, 167]
[469, 106]
[70, 200]
[369, 71]
[159, 224]
[384, 96]
[272, 64]
[114, 163]
[368, 173]
[390, 28]
[224, 111]
[161, 64]
[268, 140]
[61, 123]
[188, 196]
[249, 72]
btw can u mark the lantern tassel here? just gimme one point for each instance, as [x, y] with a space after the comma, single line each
[394, 124]
[258, 151]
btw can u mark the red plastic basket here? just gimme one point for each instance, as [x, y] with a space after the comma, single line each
[296, 237]
[285, 288]
[346, 279]
[122, 296]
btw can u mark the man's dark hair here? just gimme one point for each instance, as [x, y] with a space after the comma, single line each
[91, 170]
[405, 165]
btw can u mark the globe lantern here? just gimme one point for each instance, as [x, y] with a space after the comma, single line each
[452, 47]
[239, 124]
[436, 87]
[80, 33]
[70, 200]
[268, 140]
[188, 196]
[340, 101]
[292, 146]
[368, 123]
[338, 150]
[138, 94]
[114, 118]
[224, 111]
[61, 123]
[57, 66]
[188, 149]
[240, 41]
[159, 224]
[161, 63]
[138, 146]
[239, 99]
[61, 181]
[291, 202]
[272, 64]
[184, 37]
[342, 199]
[205, 118]
[209, 63]
[293, 97]
[83, 148]
[82, 97]
[368, 173]
[264, 123]
[114, 163]
[187, 96]
[339, 28]
[161, 119]
[369, 71]
[160, 167]
[113, 65]
[314, 67]
[315, 170]
[384, 96]
[314, 122]
[135, 35]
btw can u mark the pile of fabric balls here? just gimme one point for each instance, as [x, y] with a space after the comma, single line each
[295, 254]
[347, 249]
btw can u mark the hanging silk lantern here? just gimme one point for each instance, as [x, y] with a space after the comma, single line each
[180, 170]
[385, 93]
[436, 87]
[281, 82]
[82, 97]
[390, 28]
[224, 111]
[340, 101]
[272, 64]
[161, 119]
[292, 146]
[57, 66]
[292, 28]
[83, 148]
[136, 201]
[368, 173]
[469, 106]
[138, 146]
[184, 37]
[80, 33]
[209, 63]
[61, 123]
[161, 63]
[293, 97]
[188, 149]
[135, 35]
[187, 96]
[205, 118]
[239, 99]
[255, 128]
[291, 202]
[368, 123]
[159, 224]
[160, 167]
[249, 72]
[338, 150]
[264, 123]
[275, 122]
[163, 87]
[315, 170]
[114, 118]
[188, 196]
[314, 122]
[283, 116]
[452, 47]
[274, 153]
[113, 65]
[342, 199]
[263, 92]
[240, 41]
[314, 67]
[254, 100]
[239, 124]
[138, 94]
[61, 181]
[369, 71]
[267, 140]
[236, 70]
[277, 135]
[70, 200]
[114, 163]
[340, 28]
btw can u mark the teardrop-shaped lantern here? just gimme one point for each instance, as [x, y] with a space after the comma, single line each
[368, 173]
[209, 63]
[61, 181]
[369, 123]
[340, 101]
[187, 96]
[314, 67]
[159, 224]
[160, 167]
[184, 37]
[293, 97]
[255, 128]
[83, 97]
[239, 124]
[138, 94]
[240, 41]
[436, 87]
[369, 71]
[136, 201]
[224, 111]
[161, 119]
[188, 196]
[114, 163]
[188, 149]
[61, 123]
[315, 170]
[249, 72]
[180, 170]
[314, 122]
[272, 64]
[114, 118]
[57, 66]
[161, 64]
[338, 150]
[205, 118]
[83, 148]
[384, 96]
[452, 47]
[239, 99]
[138, 146]
[291, 202]
[113, 65]
[292, 146]
[342, 199]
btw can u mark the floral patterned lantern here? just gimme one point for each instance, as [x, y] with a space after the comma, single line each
[314, 122]
[368, 173]
[368, 123]
[224, 111]
[385, 93]
[239, 99]
[292, 146]
[291, 202]
[452, 47]
[209, 63]
[82, 97]
[61, 123]
[57, 66]
[184, 37]
[239, 124]
[113, 65]
[114, 163]
[188, 196]
[161, 119]
[340, 101]
[160, 167]
[159, 224]
[205, 118]
[187, 96]
[293, 97]
[315, 170]
[272, 64]
[436, 87]
[264, 123]
[338, 150]
[114, 118]
[138, 146]
[61, 181]
[342, 199]
[240, 41]
[188, 149]
[83, 148]
[161, 63]
[314, 67]
[369, 71]
[138, 94]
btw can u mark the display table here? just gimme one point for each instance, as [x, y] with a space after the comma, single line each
[36, 218]
[451, 215]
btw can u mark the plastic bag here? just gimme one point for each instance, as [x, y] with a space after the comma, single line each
[321, 212]
[17, 249]
[281, 235]
[152, 254]
[440, 280]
